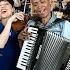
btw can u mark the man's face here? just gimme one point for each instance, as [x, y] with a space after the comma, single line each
[42, 7]
[5, 9]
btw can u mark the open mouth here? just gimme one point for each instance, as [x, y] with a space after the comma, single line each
[3, 11]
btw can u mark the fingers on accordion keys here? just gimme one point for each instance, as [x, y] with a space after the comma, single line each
[26, 29]
[26, 33]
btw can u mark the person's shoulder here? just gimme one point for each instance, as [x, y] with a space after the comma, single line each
[66, 21]
[67, 25]
[31, 23]
[66, 29]
[34, 20]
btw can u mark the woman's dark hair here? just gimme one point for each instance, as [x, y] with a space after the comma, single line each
[10, 1]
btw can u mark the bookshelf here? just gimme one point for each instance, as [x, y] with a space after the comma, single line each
[29, 8]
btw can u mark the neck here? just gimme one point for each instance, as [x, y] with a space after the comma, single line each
[46, 19]
[4, 20]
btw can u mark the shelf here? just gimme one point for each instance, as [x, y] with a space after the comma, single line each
[29, 8]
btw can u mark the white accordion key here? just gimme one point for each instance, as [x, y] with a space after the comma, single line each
[21, 67]
[68, 65]
[33, 30]
[31, 42]
[32, 38]
[27, 48]
[21, 62]
[34, 35]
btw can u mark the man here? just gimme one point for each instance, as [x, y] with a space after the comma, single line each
[48, 20]
[43, 8]
[44, 11]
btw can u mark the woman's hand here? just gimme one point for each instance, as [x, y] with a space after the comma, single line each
[5, 33]
[16, 16]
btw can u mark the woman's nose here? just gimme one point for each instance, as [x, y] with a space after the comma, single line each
[2, 5]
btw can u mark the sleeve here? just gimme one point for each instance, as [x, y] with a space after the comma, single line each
[66, 30]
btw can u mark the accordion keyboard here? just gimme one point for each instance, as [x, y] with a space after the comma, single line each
[27, 49]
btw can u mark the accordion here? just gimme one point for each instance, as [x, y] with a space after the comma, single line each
[30, 48]
[51, 53]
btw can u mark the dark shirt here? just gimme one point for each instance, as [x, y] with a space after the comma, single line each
[9, 54]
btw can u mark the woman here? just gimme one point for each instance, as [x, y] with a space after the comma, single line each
[9, 48]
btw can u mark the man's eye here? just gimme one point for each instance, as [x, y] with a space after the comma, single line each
[35, 4]
[42, 1]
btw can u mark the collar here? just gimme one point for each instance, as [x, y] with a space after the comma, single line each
[52, 19]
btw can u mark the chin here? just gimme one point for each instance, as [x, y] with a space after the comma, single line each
[43, 16]
[5, 16]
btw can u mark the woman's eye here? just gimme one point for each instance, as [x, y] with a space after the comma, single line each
[42, 1]
[7, 4]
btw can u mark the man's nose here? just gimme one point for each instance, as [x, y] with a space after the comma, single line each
[39, 5]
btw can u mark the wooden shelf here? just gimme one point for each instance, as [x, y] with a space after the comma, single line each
[30, 8]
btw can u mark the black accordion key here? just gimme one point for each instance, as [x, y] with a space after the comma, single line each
[29, 50]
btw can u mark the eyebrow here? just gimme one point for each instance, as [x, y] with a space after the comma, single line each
[42, 0]
[35, 0]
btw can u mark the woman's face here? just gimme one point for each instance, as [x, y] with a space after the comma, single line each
[42, 7]
[6, 9]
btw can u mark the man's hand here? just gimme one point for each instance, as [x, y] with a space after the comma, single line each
[23, 35]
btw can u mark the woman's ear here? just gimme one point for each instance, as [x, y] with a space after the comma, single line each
[13, 10]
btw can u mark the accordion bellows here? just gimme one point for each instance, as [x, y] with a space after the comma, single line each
[52, 51]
